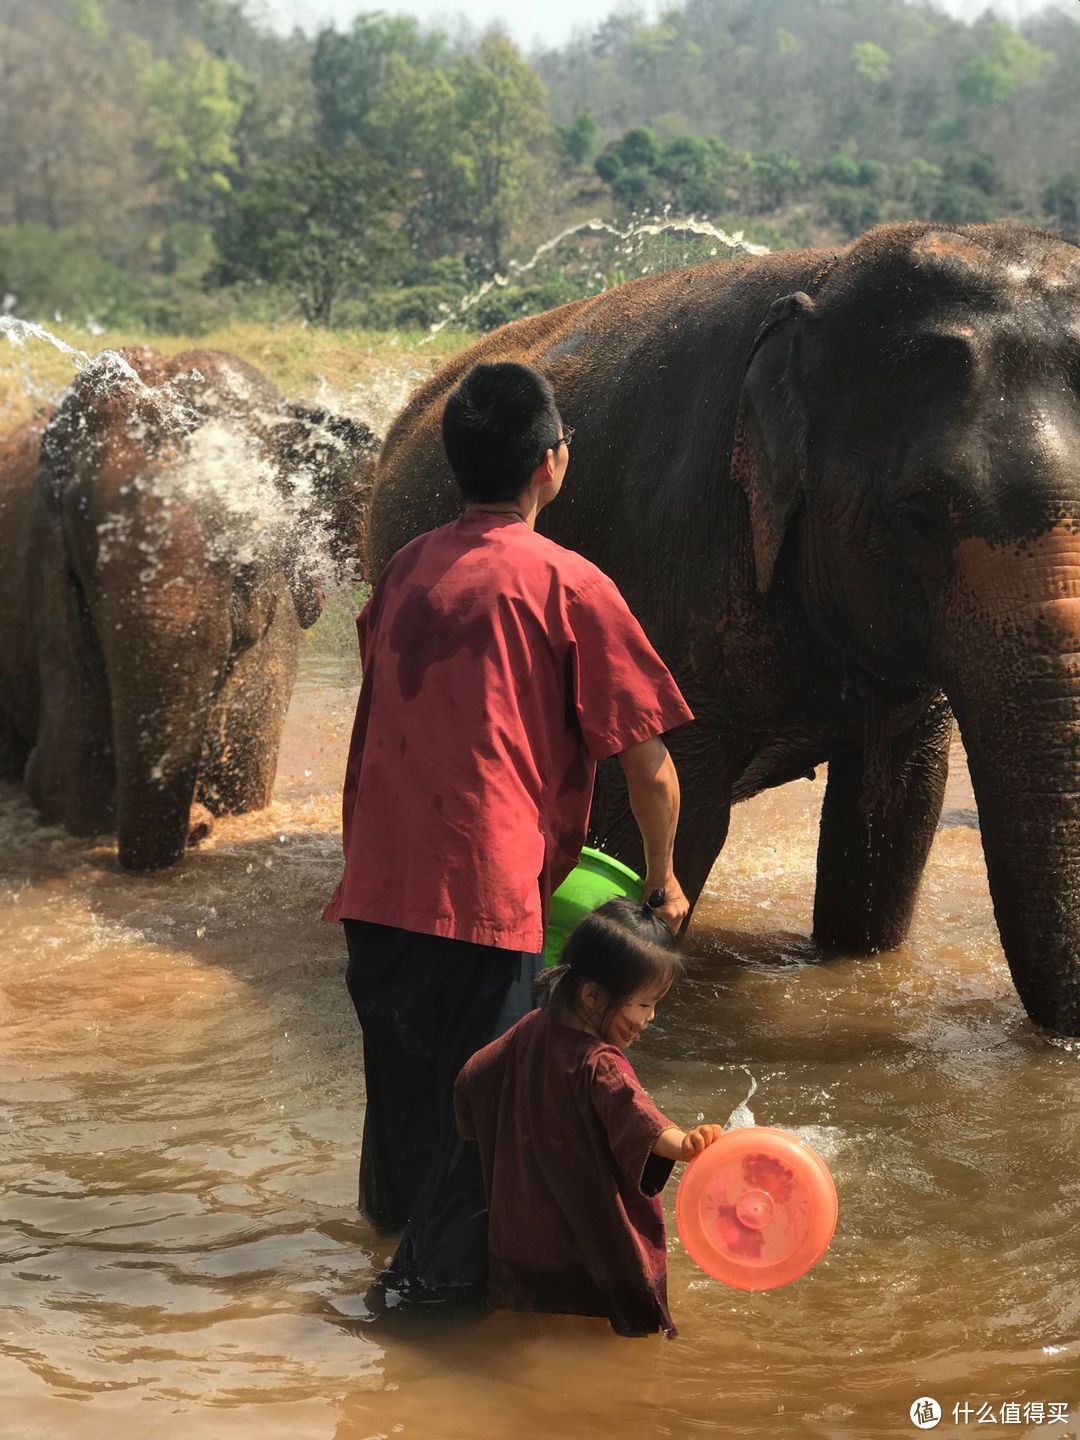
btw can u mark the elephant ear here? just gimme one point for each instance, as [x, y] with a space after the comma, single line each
[339, 456]
[324, 465]
[769, 452]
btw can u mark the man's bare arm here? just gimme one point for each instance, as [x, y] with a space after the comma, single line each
[653, 787]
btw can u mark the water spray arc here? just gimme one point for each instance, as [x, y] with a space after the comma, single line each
[677, 228]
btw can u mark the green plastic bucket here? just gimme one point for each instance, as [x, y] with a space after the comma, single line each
[595, 878]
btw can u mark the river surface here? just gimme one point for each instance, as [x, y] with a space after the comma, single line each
[180, 1111]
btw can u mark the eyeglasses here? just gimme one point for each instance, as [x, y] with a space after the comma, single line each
[564, 438]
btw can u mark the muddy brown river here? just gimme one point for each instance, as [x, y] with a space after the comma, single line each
[181, 1102]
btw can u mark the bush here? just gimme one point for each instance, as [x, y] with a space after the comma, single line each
[840, 170]
[640, 148]
[963, 205]
[873, 175]
[853, 210]
[46, 272]
[609, 162]
[517, 301]
[408, 307]
[638, 190]
[578, 141]
[1062, 200]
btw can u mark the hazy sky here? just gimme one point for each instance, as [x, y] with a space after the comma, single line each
[548, 22]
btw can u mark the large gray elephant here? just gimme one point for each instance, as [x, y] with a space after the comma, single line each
[161, 555]
[841, 490]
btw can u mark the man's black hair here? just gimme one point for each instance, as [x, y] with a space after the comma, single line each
[498, 423]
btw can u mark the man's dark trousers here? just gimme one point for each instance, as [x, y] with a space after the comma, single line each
[426, 1004]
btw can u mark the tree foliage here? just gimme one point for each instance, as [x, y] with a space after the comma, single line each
[186, 146]
[348, 71]
[315, 222]
[193, 106]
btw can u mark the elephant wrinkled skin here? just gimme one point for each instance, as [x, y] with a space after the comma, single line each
[841, 491]
[159, 567]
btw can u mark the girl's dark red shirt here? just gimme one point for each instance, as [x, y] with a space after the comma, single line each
[566, 1133]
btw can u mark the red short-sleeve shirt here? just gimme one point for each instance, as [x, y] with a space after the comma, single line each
[499, 668]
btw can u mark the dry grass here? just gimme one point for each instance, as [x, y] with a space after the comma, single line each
[362, 372]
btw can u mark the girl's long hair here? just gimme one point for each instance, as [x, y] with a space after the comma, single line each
[622, 946]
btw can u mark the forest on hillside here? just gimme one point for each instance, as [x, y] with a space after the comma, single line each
[171, 166]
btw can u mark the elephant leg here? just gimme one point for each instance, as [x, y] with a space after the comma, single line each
[14, 751]
[706, 770]
[871, 856]
[70, 774]
[240, 756]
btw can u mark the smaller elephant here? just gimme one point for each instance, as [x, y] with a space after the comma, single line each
[164, 538]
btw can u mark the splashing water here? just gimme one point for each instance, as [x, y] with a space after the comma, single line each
[742, 1117]
[676, 227]
[19, 331]
[222, 468]
[379, 397]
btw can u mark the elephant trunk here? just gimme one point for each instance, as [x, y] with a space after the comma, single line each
[1019, 716]
[168, 654]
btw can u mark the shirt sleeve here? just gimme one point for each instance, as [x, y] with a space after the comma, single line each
[631, 1120]
[623, 692]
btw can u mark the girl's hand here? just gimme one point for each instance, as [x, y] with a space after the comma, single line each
[700, 1138]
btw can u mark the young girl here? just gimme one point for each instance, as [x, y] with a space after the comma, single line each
[574, 1152]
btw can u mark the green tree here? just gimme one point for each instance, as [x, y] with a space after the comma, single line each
[609, 162]
[638, 190]
[348, 70]
[991, 78]
[637, 150]
[413, 127]
[68, 150]
[472, 142]
[871, 63]
[777, 176]
[89, 19]
[578, 141]
[704, 176]
[853, 210]
[961, 204]
[689, 168]
[651, 46]
[928, 192]
[49, 270]
[503, 114]
[193, 106]
[1062, 200]
[640, 148]
[840, 170]
[316, 222]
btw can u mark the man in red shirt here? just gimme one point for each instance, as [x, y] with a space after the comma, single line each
[498, 668]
